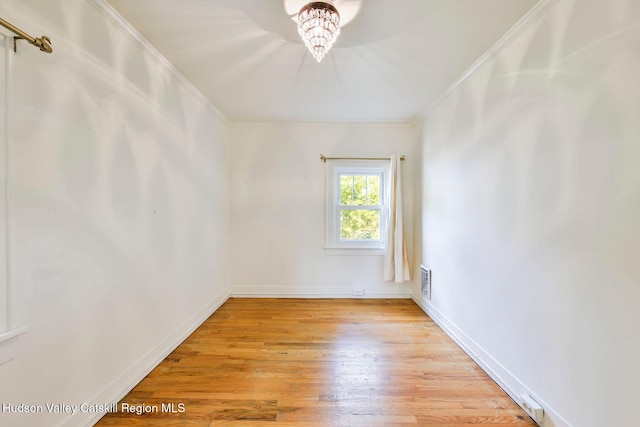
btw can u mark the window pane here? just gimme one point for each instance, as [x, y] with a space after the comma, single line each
[373, 189]
[359, 224]
[346, 189]
[360, 190]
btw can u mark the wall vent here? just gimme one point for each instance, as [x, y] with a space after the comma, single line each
[425, 281]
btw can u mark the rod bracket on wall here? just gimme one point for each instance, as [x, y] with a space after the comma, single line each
[43, 43]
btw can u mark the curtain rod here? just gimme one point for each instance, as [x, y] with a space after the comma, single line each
[43, 43]
[324, 158]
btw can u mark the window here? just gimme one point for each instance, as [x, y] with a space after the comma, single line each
[359, 206]
[356, 204]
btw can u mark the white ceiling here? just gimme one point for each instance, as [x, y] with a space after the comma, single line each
[392, 61]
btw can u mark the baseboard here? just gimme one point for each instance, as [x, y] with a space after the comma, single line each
[396, 291]
[498, 373]
[122, 385]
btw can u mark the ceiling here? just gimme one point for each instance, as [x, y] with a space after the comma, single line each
[390, 62]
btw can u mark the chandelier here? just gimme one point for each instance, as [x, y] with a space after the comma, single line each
[319, 26]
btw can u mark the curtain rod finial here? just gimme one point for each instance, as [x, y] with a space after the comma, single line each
[323, 158]
[43, 43]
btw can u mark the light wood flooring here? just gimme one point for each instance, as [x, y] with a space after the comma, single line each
[319, 362]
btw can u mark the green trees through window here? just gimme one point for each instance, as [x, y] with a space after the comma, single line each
[360, 206]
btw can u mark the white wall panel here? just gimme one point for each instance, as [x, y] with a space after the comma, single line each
[121, 200]
[5, 51]
[278, 208]
[530, 207]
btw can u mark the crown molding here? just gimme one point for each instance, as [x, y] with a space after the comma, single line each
[534, 15]
[128, 30]
[323, 123]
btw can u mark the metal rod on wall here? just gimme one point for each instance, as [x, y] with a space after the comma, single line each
[325, 158]
[43, 43]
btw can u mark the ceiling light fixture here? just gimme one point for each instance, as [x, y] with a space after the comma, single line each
[319, 26]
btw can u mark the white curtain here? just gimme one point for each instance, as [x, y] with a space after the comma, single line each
[396, 261]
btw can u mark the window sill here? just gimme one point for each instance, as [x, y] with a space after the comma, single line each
[353, 251]
[7, 335]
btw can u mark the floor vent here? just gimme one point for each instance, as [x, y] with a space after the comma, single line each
[425, 281]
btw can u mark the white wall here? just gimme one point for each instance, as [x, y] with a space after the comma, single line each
[278, 208]
[531, 207]
[120, 210]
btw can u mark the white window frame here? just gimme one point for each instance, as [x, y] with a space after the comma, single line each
[9, 310]
[334, 245]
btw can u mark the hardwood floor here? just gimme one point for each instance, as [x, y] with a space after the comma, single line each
[319, 362]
